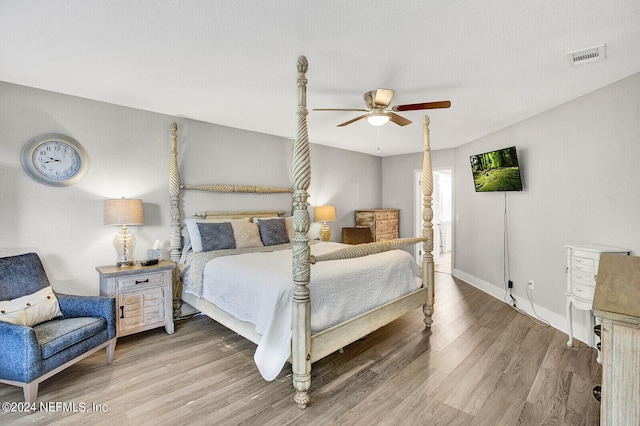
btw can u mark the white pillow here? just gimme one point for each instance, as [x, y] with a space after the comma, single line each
[194, 232]
[31, 309]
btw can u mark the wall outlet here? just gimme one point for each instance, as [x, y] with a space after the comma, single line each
[531, 285]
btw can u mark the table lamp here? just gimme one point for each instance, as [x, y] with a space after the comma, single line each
[123, 212]
[325, 214]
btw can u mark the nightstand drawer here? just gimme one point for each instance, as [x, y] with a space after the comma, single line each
[139, 281]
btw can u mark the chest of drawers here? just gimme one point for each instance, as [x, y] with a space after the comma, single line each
[382, 222]
[582, 271]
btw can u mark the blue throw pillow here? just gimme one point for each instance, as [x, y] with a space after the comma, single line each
[273, 232]
[216, 236]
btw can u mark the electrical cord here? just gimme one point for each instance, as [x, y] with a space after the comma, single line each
[506, 266]
[507, 278]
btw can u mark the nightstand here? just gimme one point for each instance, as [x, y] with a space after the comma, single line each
[144, 296]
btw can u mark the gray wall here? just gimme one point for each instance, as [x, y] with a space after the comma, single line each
[129, 156]
[580, 175]
[398, 185]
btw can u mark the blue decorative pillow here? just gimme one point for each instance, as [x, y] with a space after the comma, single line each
[216, 236]
[273, 231]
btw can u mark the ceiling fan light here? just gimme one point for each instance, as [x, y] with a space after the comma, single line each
[378, 119]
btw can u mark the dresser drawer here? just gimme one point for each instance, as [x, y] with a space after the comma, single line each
[131, 282]
[583, 278]
[386, 226]
[583, 291]
[585, 254]
[386, 215]
[583, 264]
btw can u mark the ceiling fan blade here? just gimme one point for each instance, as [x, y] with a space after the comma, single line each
[425, 105]
[399, 120]
[382, 97]
[378, 98]
[339, 109]
[351, 121]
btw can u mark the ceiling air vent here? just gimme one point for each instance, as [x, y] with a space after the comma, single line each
[584, 56]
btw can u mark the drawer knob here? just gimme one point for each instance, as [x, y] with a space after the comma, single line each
[142, 281]
[121, 311]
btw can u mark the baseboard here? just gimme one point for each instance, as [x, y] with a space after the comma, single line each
[581, 326]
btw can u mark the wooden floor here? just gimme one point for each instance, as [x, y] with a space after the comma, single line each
[482, 363]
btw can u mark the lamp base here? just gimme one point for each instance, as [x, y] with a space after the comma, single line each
[124, 243]
[325, 232]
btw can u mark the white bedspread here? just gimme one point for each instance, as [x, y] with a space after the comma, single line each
[257, 287]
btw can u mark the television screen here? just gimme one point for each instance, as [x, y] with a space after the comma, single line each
[496, 171]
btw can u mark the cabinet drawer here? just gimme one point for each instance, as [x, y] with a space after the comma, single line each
[583, 278]
[584, 254]
[139, 281]
[386, 226]
[583, 264]
[583, 291]
[386, 215]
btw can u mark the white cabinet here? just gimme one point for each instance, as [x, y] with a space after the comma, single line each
[582, 271]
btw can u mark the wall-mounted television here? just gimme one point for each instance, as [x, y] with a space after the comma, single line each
[496, 171]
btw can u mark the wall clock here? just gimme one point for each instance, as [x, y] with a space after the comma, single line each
[54, 159]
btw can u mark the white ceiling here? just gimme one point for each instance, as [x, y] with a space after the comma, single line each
[234, 62]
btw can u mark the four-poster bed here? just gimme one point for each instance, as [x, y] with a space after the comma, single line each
[306, 344]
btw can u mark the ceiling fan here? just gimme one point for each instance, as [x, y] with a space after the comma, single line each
[376, 115]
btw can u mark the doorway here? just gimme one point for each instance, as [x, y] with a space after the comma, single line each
[442, 205]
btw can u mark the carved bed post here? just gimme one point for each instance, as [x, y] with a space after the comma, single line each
[301, 326]
[427, 225]
[174, 198]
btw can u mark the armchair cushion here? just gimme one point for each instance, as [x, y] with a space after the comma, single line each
[31, 309]
[90, 306]
[57, 335]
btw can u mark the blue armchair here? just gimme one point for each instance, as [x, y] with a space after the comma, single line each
[32, 354]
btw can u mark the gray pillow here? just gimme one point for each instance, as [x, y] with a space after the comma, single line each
[216, 236]
[273, 231]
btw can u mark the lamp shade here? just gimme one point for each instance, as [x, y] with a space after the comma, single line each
[325, 213]
[378, 119]
[123, 211]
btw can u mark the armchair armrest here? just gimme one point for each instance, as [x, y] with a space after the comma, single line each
[19, 353]
[89, 306]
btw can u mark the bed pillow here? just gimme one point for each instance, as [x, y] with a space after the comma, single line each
[216, 236]
[31, 309]
[288, 224]
[194, 232]
[273, 231]
[246, 234]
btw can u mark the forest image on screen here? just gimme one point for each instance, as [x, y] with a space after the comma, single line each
[496, 171]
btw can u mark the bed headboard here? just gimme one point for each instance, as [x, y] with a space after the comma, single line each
[240, 215]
